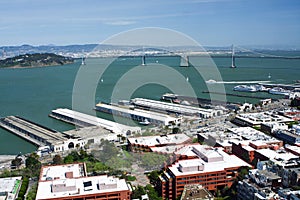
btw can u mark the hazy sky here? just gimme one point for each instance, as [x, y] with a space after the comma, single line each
[210, 22]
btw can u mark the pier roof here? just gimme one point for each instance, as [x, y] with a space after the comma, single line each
[95, 121]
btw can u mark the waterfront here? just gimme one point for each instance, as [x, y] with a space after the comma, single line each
[33, 92]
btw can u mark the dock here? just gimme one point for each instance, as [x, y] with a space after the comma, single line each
[32, 132]
[284, 86]
[139, 114]
[84, 120]
[165, 107]
[236, 95]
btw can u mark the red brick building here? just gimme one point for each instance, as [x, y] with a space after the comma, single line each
[212, 169]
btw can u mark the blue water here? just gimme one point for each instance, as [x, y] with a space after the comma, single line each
[33, 92]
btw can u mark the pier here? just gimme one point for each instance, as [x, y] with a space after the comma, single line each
[175, 108]
[32, 132]
[139, 115]
[284, 86]
[236, 95]
[84, 120]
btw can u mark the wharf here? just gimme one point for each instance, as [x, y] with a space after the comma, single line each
[284, 86]
[84, 120]
[236, 95]
[32, 132]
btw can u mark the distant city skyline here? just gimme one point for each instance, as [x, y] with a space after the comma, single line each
[209, 22]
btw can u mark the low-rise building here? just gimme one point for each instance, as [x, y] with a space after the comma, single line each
[256, 119]
[9, 187]
[271, 127]
[148, 142]
[71, 182]
[196, 192]
[246, 190]
[213, 169]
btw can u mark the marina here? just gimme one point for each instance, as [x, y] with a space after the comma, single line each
[59, 83]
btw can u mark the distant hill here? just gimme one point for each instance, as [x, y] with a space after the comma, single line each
[35, 60]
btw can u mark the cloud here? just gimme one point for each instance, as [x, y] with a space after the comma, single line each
[119, 22]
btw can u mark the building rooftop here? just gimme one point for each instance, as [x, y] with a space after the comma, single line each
[95, 121]
[253, 135]
[210, 160]
[195, 192]
[262, 117]
[69, 180]
[8, 184]
[62, 172]
[92, 131]
[159, 140]
[279, 155]
[139, 112]
[172, 107]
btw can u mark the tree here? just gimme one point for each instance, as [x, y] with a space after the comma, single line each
[33, 164]
[57, 160]
[138, 192]
[152, 193]
[153, 177]
[17, 162]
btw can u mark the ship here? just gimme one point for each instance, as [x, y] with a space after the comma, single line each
[245, 88]
[279, 91]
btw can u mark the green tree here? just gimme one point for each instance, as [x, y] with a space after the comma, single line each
[153, 177]
[138, 192]
[57, 160]
[152, 193]
[33, 165]
[17, 162]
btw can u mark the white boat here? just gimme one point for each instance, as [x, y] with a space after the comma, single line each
[211, 81]
[145, 122]
[279, 91]
[245, 88]
[83, 61]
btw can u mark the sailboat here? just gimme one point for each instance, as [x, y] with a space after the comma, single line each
[232, 58]
[143, 60]
[83, 61]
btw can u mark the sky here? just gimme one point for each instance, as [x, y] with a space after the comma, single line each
[209, 22]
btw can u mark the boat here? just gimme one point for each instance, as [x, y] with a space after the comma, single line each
[145, 122]
[143, 60]
[279, 91]
[83, 61]
[245, 88]
[187, 79]
[232, 58]
[211, 81]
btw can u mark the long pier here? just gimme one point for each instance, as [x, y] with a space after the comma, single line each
[236, 95]
[84, 120]
[32, 132]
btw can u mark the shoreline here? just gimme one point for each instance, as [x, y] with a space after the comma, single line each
[33, 66]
